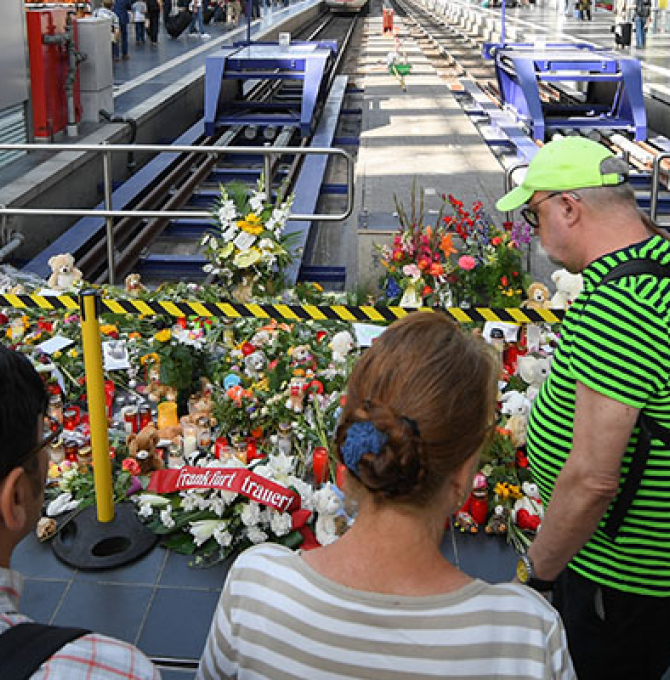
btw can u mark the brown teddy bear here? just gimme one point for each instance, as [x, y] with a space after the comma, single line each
[134, 285]
[538, 296]
[63, 272]
[142, 447]
[157, 391]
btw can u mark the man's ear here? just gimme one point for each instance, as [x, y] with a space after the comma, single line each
[14, 499]
[572, 208]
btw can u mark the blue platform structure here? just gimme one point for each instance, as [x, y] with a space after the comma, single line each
[308, 62]
[612, 100]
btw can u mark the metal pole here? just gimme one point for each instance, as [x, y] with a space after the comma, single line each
[655, 184]
[267, 173]
[502, 21]
[95, 392]
[109, 221]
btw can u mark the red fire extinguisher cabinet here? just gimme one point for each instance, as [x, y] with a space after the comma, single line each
[48, 73]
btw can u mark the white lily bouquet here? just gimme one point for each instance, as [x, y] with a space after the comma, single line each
[248, 250]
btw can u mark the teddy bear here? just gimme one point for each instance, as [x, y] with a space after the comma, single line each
[156, 391]
[538, 296]
[296, 393]
[341, 344]
[568, 288]
[134, 285]
[330, 521]
[142, 447]
[301, 356]
[533, 370]
[63, 272]
[528, 512]
[517, 406]
[254, 363]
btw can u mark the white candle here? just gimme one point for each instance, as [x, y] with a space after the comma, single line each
[190, 444]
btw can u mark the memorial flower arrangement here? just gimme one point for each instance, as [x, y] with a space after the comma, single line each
[489, 264]
[248, 251]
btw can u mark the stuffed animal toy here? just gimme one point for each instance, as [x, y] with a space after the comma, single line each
[46, 528]
[302, 356]
[134, 285]
[533, 370]
[330, 520]
[296, 393]
[517, 406]
[142, 447]
[538, 296]
[568, 288]
[341, 344]
[254, 364]
[497, 523]
[475, 509]
[528, 512]
[156, 391]
[63, 272]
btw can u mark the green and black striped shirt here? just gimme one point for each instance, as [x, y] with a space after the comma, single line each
[615, 339]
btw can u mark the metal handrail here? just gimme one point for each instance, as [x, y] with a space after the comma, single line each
[109, 214]
[157, 148]
[655, 184]
[507, 182]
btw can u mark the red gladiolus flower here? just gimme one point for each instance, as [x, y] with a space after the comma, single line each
[503, 281]
[427, 290]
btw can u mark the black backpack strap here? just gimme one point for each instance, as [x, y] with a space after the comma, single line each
[634, 268]
[26, 646]
[649, 428]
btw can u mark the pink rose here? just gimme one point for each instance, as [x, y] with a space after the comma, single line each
[466, 262]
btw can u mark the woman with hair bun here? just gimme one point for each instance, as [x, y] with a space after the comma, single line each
[382, 601]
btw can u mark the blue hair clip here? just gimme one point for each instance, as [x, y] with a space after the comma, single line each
[361, 438]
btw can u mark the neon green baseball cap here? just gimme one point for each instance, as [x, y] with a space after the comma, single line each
[565, 164]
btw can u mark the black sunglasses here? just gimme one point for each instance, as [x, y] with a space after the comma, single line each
[51, 432]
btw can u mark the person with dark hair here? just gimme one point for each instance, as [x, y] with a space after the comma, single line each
[49, 651]
[382, 601]
[599, 431]
[122, 9]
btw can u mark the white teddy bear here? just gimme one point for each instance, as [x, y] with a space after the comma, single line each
[568, 288]
[328, 504]
[517, 406]
[341, 344]
[63, 272]
[532, 504]
[533, 370]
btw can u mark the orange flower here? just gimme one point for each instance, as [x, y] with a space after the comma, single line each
[436, 269]
[447, 245]
[429, 232]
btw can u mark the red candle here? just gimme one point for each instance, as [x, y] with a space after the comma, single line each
[340, 473]
[145, 416]
[70, 418]
[222, 448]
[320, 464]
[131, 419]
[71, 450]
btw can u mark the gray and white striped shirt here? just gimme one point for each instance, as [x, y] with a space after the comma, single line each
[278, 618]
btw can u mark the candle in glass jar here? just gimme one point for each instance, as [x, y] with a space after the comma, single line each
[240, 451]
[320, 464]
[145, 416]
[204, 434]
[71, 450]
[167, 415]
[131, 419]
[56, 452]
[70, 418]
[190, 439]
[222, 449]
[55, 409]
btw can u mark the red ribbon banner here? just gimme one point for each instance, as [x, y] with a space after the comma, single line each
[239, 480]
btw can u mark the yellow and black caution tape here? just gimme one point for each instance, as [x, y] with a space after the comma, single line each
[236, 310]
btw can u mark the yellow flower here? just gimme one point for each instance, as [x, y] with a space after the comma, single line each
[252, 224]
[54, 471]
[515, 492]
[501, 489]
[57, 355]
[73, 353]
[150, 359]
[318, 286]
[164, 335]
[134, 335]
[108, 329]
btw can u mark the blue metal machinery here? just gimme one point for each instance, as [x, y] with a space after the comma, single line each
[613, 101]
[299, 61]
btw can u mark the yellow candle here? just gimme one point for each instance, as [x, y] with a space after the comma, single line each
[167, 414]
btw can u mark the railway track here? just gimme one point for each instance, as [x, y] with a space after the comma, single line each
[165, 249]
[456, 53]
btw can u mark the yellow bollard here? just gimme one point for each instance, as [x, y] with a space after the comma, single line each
[95, 392]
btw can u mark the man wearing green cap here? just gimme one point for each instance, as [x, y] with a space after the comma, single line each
[599, 431]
